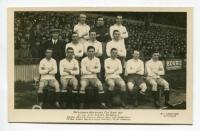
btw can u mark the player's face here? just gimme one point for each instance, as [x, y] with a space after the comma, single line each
[82, 19]
[70, 53]
[114, 53]
[55, 35]
[136, 55]
[155, 56]
[75, 37]
[91, 52]
[118, 20]
[93, 35]
[116, 35]
[49, 54]
[100, 21]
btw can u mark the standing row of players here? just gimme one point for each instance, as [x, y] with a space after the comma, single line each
[89, 69]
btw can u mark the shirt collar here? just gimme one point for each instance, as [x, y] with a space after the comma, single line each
[81, 24]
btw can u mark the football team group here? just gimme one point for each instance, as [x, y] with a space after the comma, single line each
[93, 64]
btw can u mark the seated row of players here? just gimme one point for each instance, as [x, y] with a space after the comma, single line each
[90, 67]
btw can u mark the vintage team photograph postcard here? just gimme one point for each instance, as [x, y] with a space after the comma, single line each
[120, 65]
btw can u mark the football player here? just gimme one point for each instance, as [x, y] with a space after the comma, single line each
[69, 68]
[113, 69]
[47, 70]
[135, 81]
[90, 66]
[155, 70]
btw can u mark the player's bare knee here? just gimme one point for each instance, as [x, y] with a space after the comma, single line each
[166, 86]
[75, 84]
[143, 87]
[111, 88]
[130, 86]
[123, 86]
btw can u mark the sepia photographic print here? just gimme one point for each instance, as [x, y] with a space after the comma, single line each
[100, 65]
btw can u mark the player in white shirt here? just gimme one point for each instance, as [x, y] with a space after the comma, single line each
[90, 66]
[93, 42]
[82, 29]
[47, 70]
[69, 68]
[113, 69]
[135, 81]
[118, 26]
[154, 70]
[77, 46]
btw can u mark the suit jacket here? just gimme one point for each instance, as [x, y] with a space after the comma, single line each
[58, 49]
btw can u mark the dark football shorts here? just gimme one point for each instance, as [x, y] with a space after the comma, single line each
[135, 79]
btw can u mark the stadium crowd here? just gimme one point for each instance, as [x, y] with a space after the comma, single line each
[32, 31]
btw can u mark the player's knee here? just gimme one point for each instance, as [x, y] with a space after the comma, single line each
[64, 86]
[130, 86]
[143, 87]
[154, 88]
[111, 85]
[83, 86]
[40, 89]
[98, 84]
[57, 87]
[75, 84]
[166, 86]
[154, 85]
[123, 86]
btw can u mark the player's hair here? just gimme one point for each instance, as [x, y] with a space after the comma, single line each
[69, 48]
[135, 50]
[115, 31]
[90, 47]
[99, 17]
[92, 31]
[72, 34]
[113, 49]
[154, 51]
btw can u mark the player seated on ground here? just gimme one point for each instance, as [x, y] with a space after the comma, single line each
[135, 80]
[155, 69]
[113, 69]
[69, 67]
[118, 44]
[76, 45]
[47, 70]
[93, 42]
[90, 66]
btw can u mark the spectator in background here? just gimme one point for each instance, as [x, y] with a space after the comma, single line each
[36, 52]
[23, 55]
[82, 29]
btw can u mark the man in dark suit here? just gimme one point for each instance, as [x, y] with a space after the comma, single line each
[57, 45]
